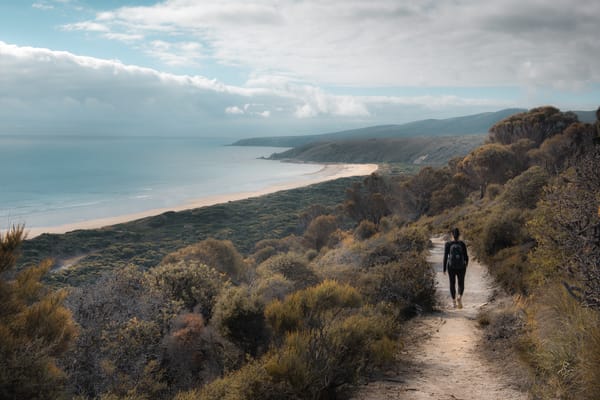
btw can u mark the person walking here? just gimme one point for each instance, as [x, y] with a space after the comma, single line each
[456, 260]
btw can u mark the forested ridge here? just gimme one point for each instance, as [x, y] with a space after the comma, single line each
[309, 315]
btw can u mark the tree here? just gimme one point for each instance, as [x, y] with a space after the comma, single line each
[319, 230]
[35, 327]
[538, 124]
[370, 200]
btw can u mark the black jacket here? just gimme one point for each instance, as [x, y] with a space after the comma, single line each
[447, 249]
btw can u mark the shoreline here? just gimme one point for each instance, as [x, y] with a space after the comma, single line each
[326, 173]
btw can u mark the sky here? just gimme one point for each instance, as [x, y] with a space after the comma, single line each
[286, 67]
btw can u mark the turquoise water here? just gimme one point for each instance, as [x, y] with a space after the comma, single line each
[50, 181]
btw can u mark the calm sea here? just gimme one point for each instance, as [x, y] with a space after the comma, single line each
[49, 181]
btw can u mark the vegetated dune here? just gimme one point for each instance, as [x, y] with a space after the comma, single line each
[414, 150]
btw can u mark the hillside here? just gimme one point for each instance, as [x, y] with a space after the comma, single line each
[414, 150]
[466, 125]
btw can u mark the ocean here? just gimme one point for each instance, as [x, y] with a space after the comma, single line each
[51, 181]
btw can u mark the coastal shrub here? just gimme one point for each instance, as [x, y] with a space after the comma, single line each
[122, 321]
[292, 266]
[524, 190]
[319, 230]
[537, 125]
[312, 307]
[218, 254]
[195, 285]
[493, 190]
[313, 364]
[502, 230]
[195, 354]
[271, 287]
[408, 285]
[239, 317]
[35, 327]
[512, 269]
[449, 196]
[365, 230]
[370, 200]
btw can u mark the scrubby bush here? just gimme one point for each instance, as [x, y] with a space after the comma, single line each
[195, 354]
[272, 287]
[123, 321]
[35, 328]
[293, 267]
[319, 230]
[196, 285]
[365, 230]
[239, 317]
[218, 254]
[408, 285]
[503, 230]
[311, 307]
[524, 190]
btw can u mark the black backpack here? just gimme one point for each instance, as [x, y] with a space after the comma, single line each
[456, 256]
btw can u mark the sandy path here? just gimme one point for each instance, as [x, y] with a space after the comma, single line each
[446, 364]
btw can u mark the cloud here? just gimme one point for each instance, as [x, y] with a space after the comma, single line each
[46, 91]
[89, 26]
[384, 42]
[42, 6]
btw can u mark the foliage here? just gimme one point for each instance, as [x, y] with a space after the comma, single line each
[319, 230]
[292, 266]
[195, 354]
[123, 322]
[239, 317]
[35, 328]
[537, 124]
[416, 193]
[408, 285]
[370, 200]
[568, 222]
[311, 307]
[195, 285]
[524, 190]
[365, 230]
[147, 241]
[218, 254]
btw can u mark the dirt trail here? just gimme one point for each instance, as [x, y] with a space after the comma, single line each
[447, 364]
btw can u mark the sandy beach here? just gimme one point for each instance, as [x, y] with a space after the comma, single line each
[327, 172]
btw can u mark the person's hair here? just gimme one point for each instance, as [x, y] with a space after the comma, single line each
[455, 233]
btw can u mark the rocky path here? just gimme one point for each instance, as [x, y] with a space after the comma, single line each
[446, 363]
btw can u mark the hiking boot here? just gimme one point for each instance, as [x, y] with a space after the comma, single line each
[454, 302]
[459, 301]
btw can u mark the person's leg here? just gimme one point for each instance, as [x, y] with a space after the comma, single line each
[461, 285]
[461, 280]
[452, 276]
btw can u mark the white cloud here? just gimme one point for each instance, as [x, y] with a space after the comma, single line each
[42, 6]
[86, 26]
[386, 42]
[234, 110]
[46, 91]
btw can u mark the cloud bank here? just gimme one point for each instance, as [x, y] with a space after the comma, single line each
[546, 43]
[56, 92]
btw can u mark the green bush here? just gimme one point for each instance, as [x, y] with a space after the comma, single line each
[218, 254]
[196, 285]
[239, 317]
[365, 230]
[292, 266]
[503, 230]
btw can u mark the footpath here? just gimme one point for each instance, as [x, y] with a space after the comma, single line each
[445, 363]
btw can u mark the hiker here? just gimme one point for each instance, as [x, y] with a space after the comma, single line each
[456, 260]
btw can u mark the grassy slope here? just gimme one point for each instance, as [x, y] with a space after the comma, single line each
[466, 125]
[435, 151]
[146, 241]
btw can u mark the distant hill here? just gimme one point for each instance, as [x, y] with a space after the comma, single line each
[412, 150]
[458, 126]
[467, 125]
